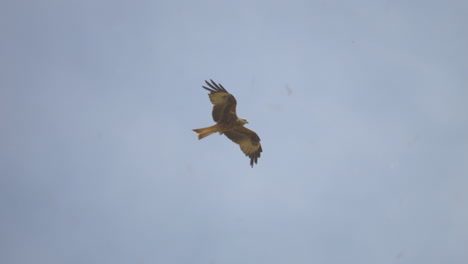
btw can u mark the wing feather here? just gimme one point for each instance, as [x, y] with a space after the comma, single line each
[248, 141]
[224, 103]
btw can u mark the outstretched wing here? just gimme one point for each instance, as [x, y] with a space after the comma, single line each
[224, 103]
[248, 141]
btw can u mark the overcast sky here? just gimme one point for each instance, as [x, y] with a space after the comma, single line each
[361, 107]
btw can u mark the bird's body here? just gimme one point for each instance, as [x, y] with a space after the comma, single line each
[227, 122]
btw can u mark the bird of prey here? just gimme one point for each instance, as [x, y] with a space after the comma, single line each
[227, 122]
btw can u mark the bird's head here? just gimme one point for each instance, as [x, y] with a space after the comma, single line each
[242, 121]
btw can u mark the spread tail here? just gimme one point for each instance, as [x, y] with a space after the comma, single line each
[206, 131]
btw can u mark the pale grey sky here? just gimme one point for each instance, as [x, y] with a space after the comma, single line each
[361, 107]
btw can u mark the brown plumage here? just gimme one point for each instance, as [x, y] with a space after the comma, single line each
[227, 122]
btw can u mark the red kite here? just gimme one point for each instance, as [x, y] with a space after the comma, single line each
[227, 122]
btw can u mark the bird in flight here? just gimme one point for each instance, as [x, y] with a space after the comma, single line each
[227, 122]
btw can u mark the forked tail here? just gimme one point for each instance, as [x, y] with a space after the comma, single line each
[206, 131]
